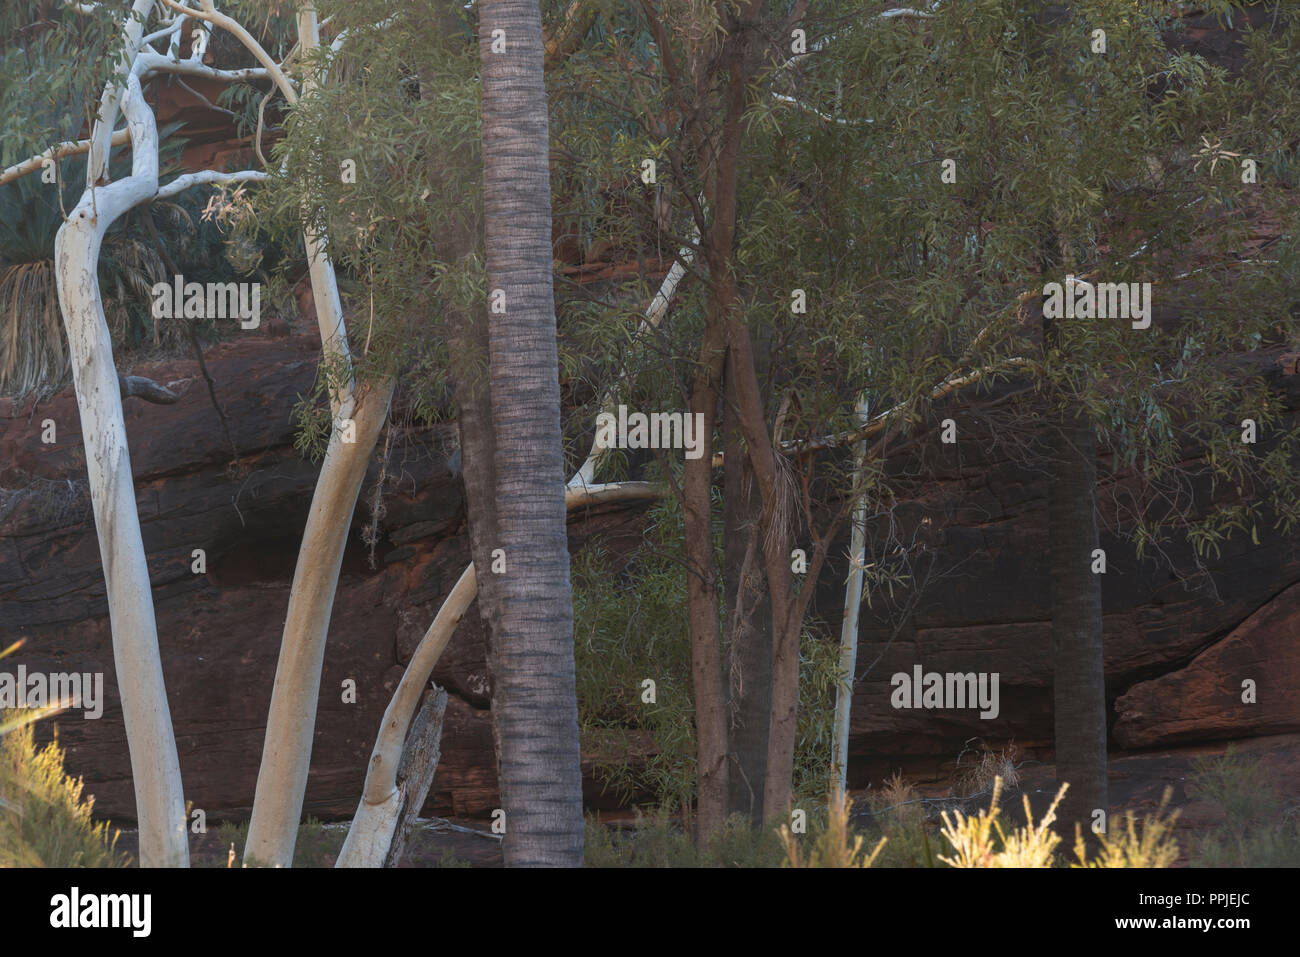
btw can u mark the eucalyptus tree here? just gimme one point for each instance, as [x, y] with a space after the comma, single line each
[132, 57]
[1131, 163]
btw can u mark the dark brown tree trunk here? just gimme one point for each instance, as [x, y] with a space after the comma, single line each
[702, 599]
[1079, 686]
[1079, 674]
[748, 623]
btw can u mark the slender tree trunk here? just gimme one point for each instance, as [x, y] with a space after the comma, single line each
[852, 606]
[702, 586]
[291, 720]
[787, 617]
[748, 622]
[524, 584]
[707, 683]
[155, 768]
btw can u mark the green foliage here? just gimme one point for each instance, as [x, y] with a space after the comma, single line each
[1259, 829]
[316, 845]
[44, 820]
[657, 841]
[63, 58]
[630, 625]
[386, 165]
[33, 351]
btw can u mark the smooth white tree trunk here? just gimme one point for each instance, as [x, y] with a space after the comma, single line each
[291, 722]
[155, 769]
[852, 605]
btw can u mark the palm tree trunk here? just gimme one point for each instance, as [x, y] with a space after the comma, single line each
[1079, 674]
[1079, 687]
[528, 603]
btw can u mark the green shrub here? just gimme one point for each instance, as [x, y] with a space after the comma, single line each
[630, 625]
[656, 840]
[44, 820]
[898, 816]
[317, 844]
[833, 843]
[1258, 830]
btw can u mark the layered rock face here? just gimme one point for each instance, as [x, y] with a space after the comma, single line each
[1178, 652]
[1193, 655]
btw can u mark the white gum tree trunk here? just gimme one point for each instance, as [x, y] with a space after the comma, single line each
[155, 769]
[286, 753]
[291, 721]
[849, 626]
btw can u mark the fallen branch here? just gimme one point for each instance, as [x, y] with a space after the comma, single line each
[142, 388]
[415, 772]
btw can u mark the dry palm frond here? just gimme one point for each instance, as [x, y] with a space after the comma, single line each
[33, 353]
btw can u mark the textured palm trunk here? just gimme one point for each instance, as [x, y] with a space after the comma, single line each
[528, 605]
[1079, 673]
[1079, 686]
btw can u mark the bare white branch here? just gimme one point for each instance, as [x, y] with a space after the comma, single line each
[208, 177]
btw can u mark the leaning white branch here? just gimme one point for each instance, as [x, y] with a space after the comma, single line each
[282, 777]
[234, 27]
[371, 833]
[56, 152]
[783, 98]
[209, 177]
[102, 133]
[904, 12]
[654, 314]
[878, 423]
[151, 62]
